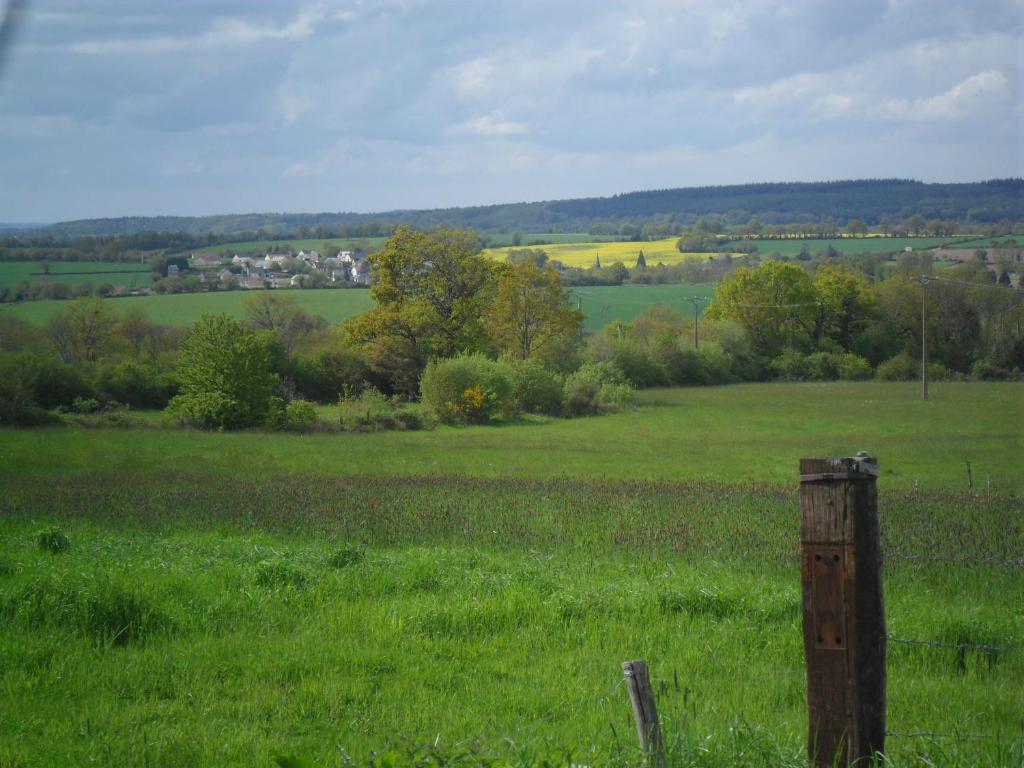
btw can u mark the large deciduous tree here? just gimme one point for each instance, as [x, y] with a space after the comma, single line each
[431, 292]
[530, 311]
[776, 304]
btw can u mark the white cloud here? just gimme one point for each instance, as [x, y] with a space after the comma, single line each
[956, 103]
[223, 33]
[493, 124]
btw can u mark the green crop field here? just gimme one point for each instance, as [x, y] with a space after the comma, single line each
[333, 305]
[852, 245]
[442, 596]
[540, 239]
[601, 304]
[604, 304]
[74, 272]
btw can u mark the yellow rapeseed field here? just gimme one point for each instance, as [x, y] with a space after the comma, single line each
[586, 254]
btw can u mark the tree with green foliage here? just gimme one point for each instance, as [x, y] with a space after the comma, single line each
[431, 292]
[845, 305]
[530, 311]
[225, 374]
[776, 304]
[641, 262]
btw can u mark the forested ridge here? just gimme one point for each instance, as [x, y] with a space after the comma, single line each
[772, 203]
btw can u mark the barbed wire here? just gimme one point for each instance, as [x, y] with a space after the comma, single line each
[954, 646]
[934, 735]
[1007, 562]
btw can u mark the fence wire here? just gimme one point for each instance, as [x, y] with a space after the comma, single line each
[954, 646]
[981, 561]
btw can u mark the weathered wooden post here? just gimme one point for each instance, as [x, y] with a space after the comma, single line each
[844, 619]
[641, 696]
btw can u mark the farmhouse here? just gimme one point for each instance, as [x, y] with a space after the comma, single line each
[205, 259]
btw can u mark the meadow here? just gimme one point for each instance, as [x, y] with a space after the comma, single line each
[461, 595]
[791, 247]
[601, 304]
[72, 273]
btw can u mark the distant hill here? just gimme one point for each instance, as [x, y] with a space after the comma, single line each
[782, 203]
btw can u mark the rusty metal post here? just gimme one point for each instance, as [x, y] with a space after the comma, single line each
[843, 614]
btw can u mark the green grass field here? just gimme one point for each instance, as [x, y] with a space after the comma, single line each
[601, 304]
[852, 245]
[74, 272]
[368, 244]
[307, 600]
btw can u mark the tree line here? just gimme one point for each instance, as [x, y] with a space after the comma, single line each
[473, 339]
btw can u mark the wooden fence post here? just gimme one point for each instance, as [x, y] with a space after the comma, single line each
[843, 615]
[648, 730]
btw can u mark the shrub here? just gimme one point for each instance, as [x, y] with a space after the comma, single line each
[85, 405]
[53, 540]
[900, 368]
[639, 367]
[854, 368]
[535, 389]
[469, 388]
[300, 416]
[18, 406]
[225, 373]
[326, 375]
[597, 387]
[136, 385]
[988, 369]
[791, 366]
[372, 411]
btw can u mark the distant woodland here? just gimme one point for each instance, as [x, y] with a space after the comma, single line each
[871, 201]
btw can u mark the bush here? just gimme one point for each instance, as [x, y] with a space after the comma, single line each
[469, 388]
[18, 406]
[639, 367]
[597, 387]
[85, 405]
[791, 366]
[225, 374]
[899, 368]
[535, 389]
[56, 383]
[373, 412]
[53, 540]
[327, 375]
[854, 368]
[988, 369]
[299, 416]
[135, 385]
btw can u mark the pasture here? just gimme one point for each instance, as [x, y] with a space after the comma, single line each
[601, 304]
[73, 273]
[461, 595]
[368, 244]
[791, 247]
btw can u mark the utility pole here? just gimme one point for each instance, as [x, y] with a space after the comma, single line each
[696, 301]
[924, 339]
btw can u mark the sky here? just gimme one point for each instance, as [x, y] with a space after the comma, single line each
[155, 107]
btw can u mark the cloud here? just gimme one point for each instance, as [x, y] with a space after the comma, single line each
[493, 124]
[955, 104]
[223, 33]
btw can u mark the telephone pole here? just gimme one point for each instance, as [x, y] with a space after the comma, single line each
[696, 301]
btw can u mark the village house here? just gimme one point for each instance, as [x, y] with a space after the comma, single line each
[205, 259]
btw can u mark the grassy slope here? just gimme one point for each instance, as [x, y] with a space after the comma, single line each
[489, 605]
[754, 432]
